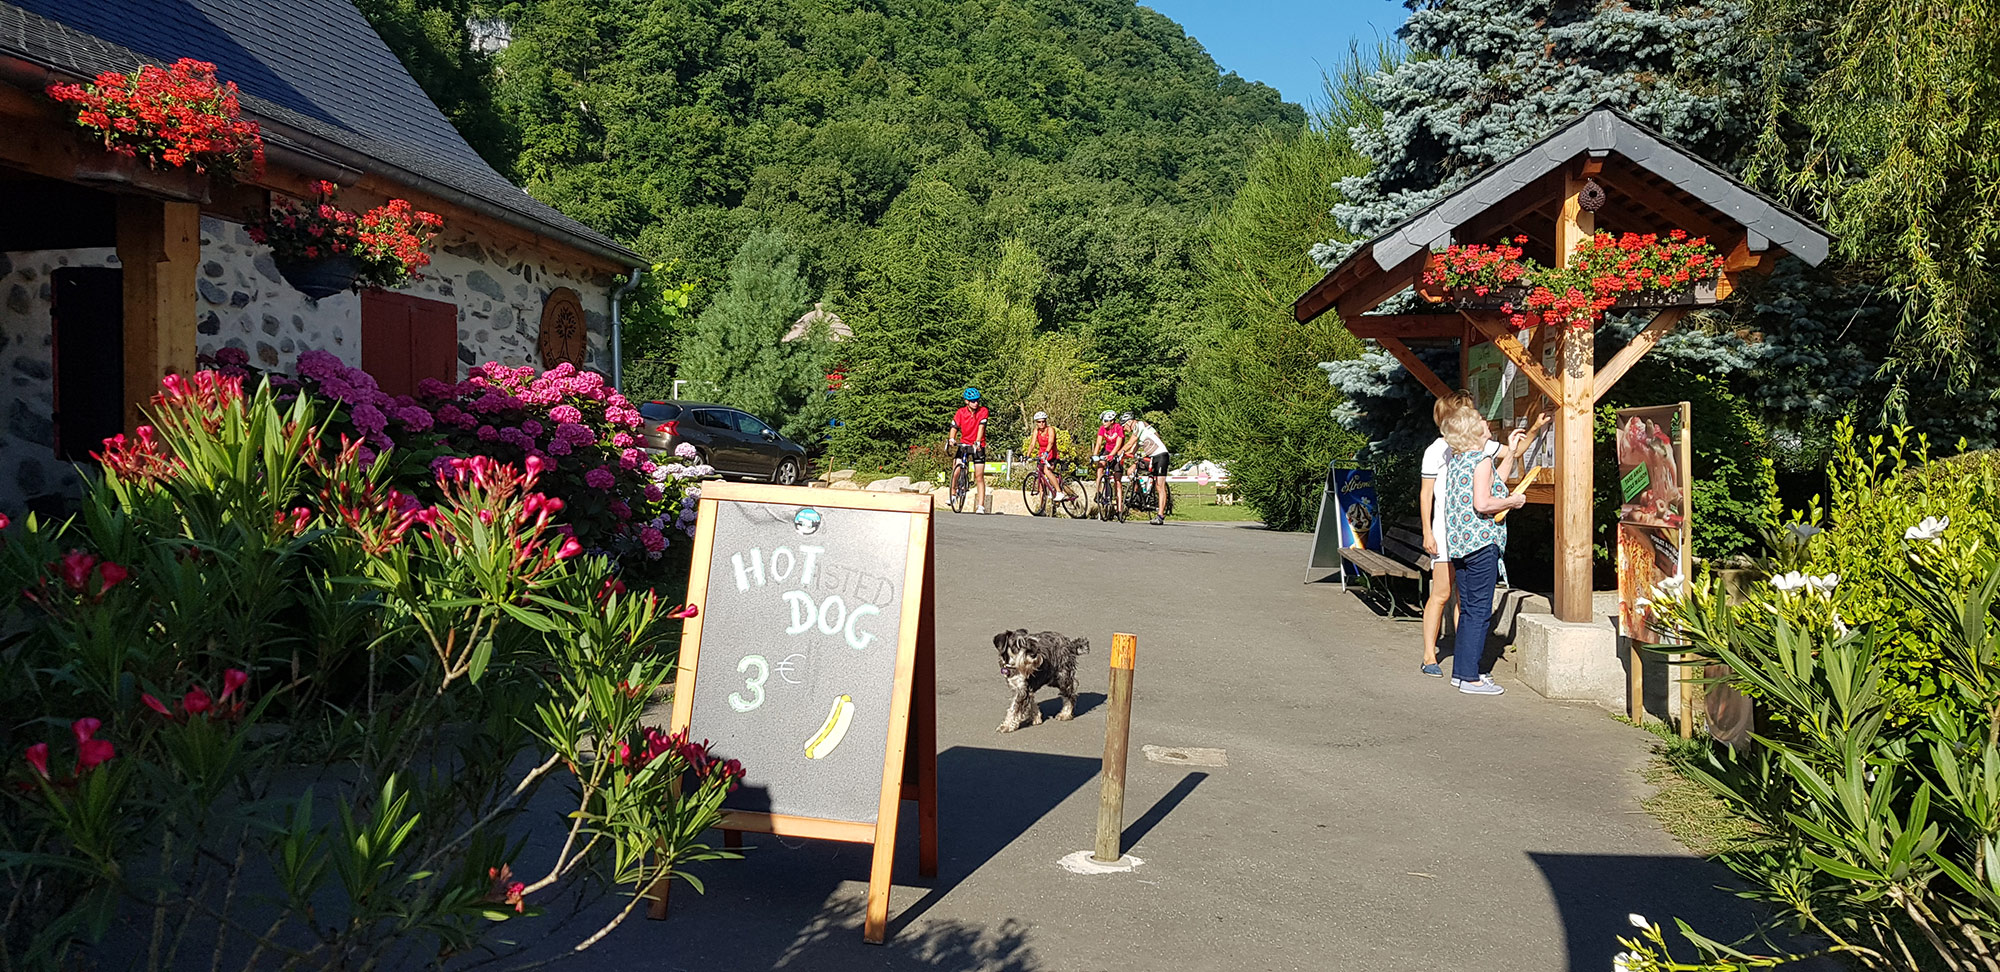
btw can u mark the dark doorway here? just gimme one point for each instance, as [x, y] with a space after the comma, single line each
[88, 318]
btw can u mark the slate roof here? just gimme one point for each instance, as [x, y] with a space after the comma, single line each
[316, 66]
[1598, 131]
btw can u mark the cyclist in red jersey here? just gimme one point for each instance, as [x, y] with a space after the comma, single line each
[1110, 442]
[968, 441]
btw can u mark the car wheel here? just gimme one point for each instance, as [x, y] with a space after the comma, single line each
[787, 474]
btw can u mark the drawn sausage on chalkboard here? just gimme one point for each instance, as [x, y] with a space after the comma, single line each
[829, 736]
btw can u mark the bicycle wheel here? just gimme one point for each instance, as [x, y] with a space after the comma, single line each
[1032, 495]
[960, 480]
[1075, 498]
[1167, 507]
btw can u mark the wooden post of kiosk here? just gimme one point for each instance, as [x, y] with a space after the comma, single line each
[1576, 406]
[1117, 736]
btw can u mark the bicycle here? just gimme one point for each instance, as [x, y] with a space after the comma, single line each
[1048, 488]
[961, 483]
[1139, 493]
[1108, 505]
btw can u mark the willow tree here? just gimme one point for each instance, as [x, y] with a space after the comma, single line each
[1901, 159]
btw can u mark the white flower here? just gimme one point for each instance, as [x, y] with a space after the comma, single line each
[1670, 588]
[1789, 581]
[686, 450]
[1932, 528]
[1638, 920]
[1801, 532]
[1824, 585]
[1622, 962]
[1642, 603]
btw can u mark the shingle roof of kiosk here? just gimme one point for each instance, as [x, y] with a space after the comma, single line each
[1646, 162]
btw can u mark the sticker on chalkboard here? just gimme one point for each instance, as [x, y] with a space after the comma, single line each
[806, 522]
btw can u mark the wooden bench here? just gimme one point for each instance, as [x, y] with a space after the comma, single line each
[1402, 556]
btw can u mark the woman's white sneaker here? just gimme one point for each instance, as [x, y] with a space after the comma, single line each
[1481, 687]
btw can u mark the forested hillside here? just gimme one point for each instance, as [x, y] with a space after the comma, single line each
[1000, 192]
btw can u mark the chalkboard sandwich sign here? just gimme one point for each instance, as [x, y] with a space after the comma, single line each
[812, 662]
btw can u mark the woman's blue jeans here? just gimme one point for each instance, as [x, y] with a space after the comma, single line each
[1478, 572]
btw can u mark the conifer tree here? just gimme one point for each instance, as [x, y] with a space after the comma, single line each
[736, 348]
[1488, 77]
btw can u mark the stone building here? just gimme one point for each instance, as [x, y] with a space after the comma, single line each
[113, 274]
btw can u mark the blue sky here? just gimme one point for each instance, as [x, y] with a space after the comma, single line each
[1283, 43]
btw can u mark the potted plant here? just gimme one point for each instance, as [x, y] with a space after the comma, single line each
[322, 249]
[173, 118]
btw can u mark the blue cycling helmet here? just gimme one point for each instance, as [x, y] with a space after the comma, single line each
[972, 394]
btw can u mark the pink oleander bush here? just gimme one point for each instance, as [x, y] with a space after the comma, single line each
[272, 706]
[617, 501]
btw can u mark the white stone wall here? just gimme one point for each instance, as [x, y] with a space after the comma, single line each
[28, 464]
[499, 288]
[242, 302]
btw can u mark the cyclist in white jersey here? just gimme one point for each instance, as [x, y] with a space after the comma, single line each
[1143, 441]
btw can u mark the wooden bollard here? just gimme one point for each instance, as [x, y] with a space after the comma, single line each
[1117, 733]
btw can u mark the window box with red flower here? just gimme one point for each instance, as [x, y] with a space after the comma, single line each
[1604, 273]
[322, 249]
[181, 121]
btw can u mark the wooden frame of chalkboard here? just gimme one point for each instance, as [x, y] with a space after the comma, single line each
[909, 762]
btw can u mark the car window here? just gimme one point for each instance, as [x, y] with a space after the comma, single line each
[659, 411]
[714, 419]
[750, 425]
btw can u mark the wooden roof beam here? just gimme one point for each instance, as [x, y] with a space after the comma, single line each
[1630, 354]
[1406, 327]
[1643, 194]
[1509, 345]
[1416, 366]
[1375, 288]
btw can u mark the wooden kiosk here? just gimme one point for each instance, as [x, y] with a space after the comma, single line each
[1602, 171]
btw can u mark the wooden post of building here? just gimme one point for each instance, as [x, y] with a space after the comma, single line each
[1574, 430]
[159, 250]
[1117, 734]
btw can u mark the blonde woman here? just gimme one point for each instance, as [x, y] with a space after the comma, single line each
[1475, 489]
[1430, 507]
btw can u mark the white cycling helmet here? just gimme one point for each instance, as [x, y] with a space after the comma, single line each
[1041, 416]
[1108, 416]
[1127, 417]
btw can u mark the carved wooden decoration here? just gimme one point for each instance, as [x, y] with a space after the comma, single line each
[565, 336]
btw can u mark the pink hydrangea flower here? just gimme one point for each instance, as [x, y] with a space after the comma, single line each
[565, 414]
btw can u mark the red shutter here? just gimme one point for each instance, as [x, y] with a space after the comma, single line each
[433, 341]
[406, 339]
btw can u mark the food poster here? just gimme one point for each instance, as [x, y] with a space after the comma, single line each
[1360, 512]
[1653, 487]
[1646, 556]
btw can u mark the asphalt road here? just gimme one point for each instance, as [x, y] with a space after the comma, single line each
[1367, 817]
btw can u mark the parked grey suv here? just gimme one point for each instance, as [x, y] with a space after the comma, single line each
[735, 442]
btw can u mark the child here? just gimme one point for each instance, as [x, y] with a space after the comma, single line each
[1430, 506]
[1475, 488]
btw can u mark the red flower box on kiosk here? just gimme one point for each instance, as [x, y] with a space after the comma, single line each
[1604, 272]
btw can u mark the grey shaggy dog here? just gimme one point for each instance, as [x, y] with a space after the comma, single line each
[1030, 662]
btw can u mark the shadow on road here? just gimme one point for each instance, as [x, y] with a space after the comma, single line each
[987, 798]
[1596, 894]
[1085, 701]
[833, 942]
[1137, 830]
